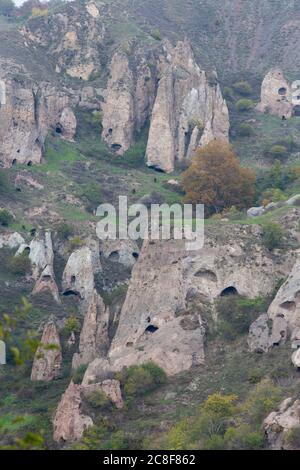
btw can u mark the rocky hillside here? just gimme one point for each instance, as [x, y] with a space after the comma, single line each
[124, 344]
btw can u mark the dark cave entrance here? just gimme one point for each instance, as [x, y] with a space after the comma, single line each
[229, 291]
[296, 110]
[151, 329]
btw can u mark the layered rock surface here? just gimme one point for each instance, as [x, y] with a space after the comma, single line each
[48, 357]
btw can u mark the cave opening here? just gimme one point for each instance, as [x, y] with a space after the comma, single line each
[71, 292]
[282, 91]
[73, 279]
[151, 329]
[229, 291]
[29, 163]
[58, 129]
[296, 110]
[14, 162]
[135, 255]
[116, 147]
[114, 256]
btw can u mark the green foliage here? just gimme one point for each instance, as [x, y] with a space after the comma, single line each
[235, 315]
[72, 324]
[272, 235]
[135, 156]
[91, 193]
[5, 217]
[278, 151]
[273, 195]
[244, 105]
[19, 265]
[156, 34]
[243, 88]
[243, 438]
[64, 230]
[98, 399]
[292, 438]
[78, 374]
[75, 243]
[138, 380]
[245, 130]
[263, 399]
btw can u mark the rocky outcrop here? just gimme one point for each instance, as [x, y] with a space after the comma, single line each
[78, 275]
[158, 320]
[286, 305]
[29, 112]
[48, 357]
[189, 110]
[125, 252]
[69, 422]
[41, 255]
[277, 96]
[94, 340]
[279, 424]
[184, 104]
[11, 240]
[258, 338]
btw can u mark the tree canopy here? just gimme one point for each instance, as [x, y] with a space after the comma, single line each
[216, 179]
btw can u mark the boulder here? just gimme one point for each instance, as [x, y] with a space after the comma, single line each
[11, 240]
[69, 422]
[258, 338]
[276, 95]
[279, 423]
[279, 331]
[255, 211]
[78, 275]
[48, 357]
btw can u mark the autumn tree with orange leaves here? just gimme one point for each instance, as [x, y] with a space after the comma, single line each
[216, 179]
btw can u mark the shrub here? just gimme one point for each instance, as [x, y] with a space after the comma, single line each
[272, 235]
[65, 230]
[273, 195]
[228, 94]
[72, 324]
[98, 399]
[244, 105]
[19, 265]
[138, 380]
[78, 374]
[135, 156]
[243, 438]
[75, 243]
[156, 34]
[5, 217]
[263, 399]
[245, 130]
[236, 315]
[278, 151]
[243, 88]
[91, 193]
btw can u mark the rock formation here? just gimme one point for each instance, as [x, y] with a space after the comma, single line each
[111, 388]
[94, 340]
[185, 106]
[279, 423]
[11, 240]
[41, 256]
[258, 338]
[78, 275]
[189, 110]
[48, 358]
[125, 252]
[69, 421]
[286, 305]
[277, 96]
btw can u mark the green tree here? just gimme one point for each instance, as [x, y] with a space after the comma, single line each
[272, 235]
[244, 105]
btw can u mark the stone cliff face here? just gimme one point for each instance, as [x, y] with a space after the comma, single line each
[48, 358]
[185, 107]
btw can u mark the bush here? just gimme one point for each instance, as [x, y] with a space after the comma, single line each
[78, 374]
[245, 130]
[156, 34]
[273, 195]
[243, 88]
[19, 265]
[5, 217]
[278, 151]
[91, 193]
[75, 243]
[72, 324]
[138, 380]
[65, 230]
[263, 399]
[98, 399]
[236, 315]
[272, 235]
[135, 156]
[244, 105]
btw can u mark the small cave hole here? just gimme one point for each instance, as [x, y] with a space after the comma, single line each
[110, 131]
[29, 163]
[26, 250]
[73, 279]
[282, 91]
[151, 329]
[71, 292]
[14, 162]
[58, 129]
[46, 277]
[18, 151]
[116, 147]
[229, 291]
[148, 319]
[135, 255]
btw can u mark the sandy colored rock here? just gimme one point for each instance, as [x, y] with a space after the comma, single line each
[94, 340]
[258, 338]
[111, 388]
[278, 424]
[69, 422]
[78, 275]
[48, 357]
